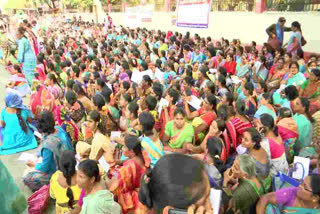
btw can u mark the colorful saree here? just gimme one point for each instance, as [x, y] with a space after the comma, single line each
[305, 135]
[127, 192]
[152, 151]
[179, 137]
[265, 109]
[240, 128]
[41, 100]
[296, 80]
[272, 209]
[288, 131]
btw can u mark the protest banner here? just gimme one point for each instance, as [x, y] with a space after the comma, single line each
[193, 13]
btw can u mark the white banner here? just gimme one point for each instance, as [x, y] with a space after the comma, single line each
[193, 13]
[135, 15]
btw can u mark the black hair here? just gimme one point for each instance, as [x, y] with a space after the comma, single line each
[179, 110]
[241, 109]
[189, 80]
[316, 72]
[175, 95]
[90, 169]
[211, 87]
[133, 143]
[144, 65]
[127, 97]
[214, 146]
[179, 186]
[222, 112]
[249, 87]
[255, 137]
[306, 104]
[95, 116]
[133, 108]
[106, 93]
[82, 67]
[268, 97]
[294, 63]
[285, 112]
[98, 101]
[315, 180]
[67, 165]
[46, 122]
[126, 85]
[100, 82]
[212, 101]
[151, 102]
[296, 24]
[263, 85]
[70, 83]
[71, 97]
[291, 92]
[268, 121]
[147, 79]
[17, 67]
[22, 123]
[229, 97]
[77, 87]
[50, 65]
[222, 80]
[157, 89]
[147, 122]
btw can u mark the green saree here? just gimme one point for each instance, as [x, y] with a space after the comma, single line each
[12, 201]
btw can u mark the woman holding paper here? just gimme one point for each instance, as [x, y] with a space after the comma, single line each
[17, 135]
[55, 141]
[295, 200]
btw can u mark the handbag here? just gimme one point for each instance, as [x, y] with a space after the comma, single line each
[39, 200]
[274, 42]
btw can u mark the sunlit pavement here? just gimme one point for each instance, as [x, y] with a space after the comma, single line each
[11, 161]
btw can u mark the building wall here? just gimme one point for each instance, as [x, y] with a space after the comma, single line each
[246, 26]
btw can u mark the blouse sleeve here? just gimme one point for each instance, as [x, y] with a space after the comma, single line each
[47, 160]
[286, 196]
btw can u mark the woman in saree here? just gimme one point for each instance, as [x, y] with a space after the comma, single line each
[265, 106]
[260, 70]
[251, 104]
[69, 115]
[53, 86]
[242, 66]
[13, 200]
[288, 131]
[295, 200]
[273, 144]
[310, 89]
[217, 129]
[126, 182]
[55, 141]
[275, 77]
[242, 184]
[41, 99]
[94, 197]
[294, 77]
[202, 118]
[302, 118]
[150, 142]
[286, 97]
[26, 56]
[18, 83]
[100, 145]
[252, 143]
[32, 39]
[240, 120]
[178, 133]
[295, 40]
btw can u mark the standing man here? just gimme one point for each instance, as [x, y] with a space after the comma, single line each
[276, 33]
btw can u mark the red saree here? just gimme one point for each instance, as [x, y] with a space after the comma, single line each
[127, 192]
[240, 128]
[41, 100]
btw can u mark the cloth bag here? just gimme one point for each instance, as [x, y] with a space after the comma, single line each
[39, 200]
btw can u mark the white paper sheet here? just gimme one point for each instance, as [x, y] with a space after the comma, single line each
[114, 134]
[215, 199]
[25, 156]
[159, 75]
[195, 102]
[110, 86]
[302, 167]
[117, 68]
[37, 134]
[136, 77]
[163, 102]
[103, 163]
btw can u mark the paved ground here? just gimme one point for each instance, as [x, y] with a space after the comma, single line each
[16, 168]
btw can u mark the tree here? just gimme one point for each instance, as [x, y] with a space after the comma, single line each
[50, 3]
